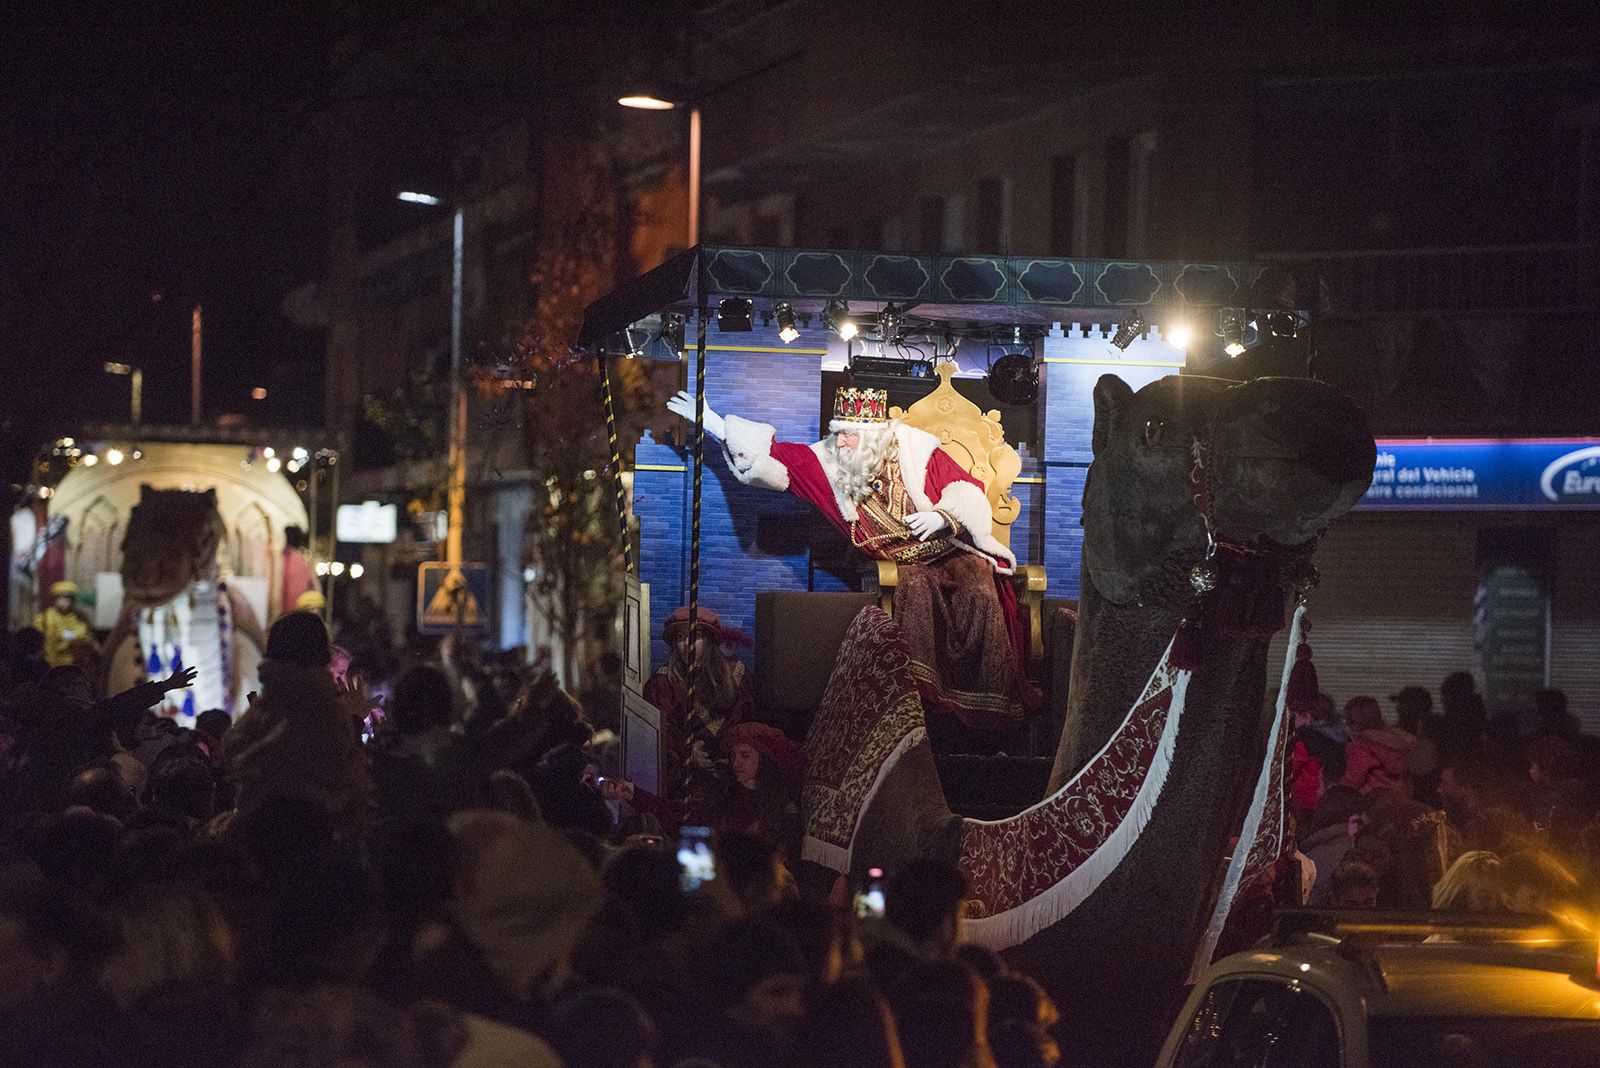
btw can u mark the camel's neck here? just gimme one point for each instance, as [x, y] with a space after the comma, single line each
[1116, 649]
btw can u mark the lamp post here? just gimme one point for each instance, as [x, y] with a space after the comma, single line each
[457, 496]
[136, 382]
[648, 102]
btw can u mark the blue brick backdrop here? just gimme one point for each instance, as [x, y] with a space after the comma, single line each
[753, 540]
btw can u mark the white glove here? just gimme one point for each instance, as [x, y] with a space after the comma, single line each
[926, 524]
[682, 404]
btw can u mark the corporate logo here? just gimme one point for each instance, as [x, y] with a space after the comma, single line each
[1575, 476]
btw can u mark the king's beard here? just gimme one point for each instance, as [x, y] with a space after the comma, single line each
[858, 467]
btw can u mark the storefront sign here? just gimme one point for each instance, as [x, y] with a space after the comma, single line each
[1441, 473]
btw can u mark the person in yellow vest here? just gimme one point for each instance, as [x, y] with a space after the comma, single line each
[63, 624]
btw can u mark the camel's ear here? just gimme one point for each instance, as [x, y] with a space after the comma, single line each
[145, 490]
[1112, 396]
[211, 494]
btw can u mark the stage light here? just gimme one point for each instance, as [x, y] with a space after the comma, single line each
[90, 460]
[1014, 379]
[274, 464]
[419, 198]
[336, 568]
[784, 314]
[356, 571]
[113, 457]
[1281, 324]
[299, 452]
[1230, 326]
[1128, 332]
[735, 314]
[672, 332]
[836, 317]
[322, 567]
[1179, 334]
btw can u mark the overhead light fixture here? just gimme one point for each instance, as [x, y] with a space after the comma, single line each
[735, 314]
[672, 332]
[783, 312]
[1230, 326]
[113, 457]
[646, 102]
[1128, 332]
[1281, 324]
[90, 460]
[419, 198]
[836, 317]
[1179, 334]
[1014, 379]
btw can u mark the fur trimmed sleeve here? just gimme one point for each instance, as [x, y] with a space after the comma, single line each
[748, 449]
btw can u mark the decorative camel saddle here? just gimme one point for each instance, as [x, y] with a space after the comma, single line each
[1202, 506]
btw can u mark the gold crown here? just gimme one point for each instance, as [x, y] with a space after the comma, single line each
[855, 405]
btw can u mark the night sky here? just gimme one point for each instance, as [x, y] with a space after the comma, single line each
[157, 159]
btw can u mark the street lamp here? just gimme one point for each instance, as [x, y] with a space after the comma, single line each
[136, 382]
[649, 102]
[458, 397]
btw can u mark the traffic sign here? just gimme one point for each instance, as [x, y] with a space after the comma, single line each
[451, 596]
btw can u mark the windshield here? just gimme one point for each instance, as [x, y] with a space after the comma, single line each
[1483, 1042]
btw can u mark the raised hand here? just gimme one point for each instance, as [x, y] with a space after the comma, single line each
[180, 679]
[926, 524]
[354, 697]
[682, 404]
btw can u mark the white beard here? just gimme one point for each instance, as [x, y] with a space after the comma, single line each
[858, 467]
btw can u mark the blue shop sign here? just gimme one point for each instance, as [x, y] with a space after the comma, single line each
[1484, 474]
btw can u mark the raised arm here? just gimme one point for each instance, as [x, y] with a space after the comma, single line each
[747, 445]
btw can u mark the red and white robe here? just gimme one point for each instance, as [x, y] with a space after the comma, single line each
[954, 602]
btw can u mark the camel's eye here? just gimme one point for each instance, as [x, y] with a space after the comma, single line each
[1153, 430]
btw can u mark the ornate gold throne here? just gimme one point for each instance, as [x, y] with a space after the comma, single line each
[977, 441]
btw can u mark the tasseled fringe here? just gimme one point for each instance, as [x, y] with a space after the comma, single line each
[1186, 642]
[1302, 689]
[1252, 821]
[1015, 926]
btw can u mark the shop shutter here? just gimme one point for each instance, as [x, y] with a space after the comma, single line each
[1575, 617]
[1394, 607]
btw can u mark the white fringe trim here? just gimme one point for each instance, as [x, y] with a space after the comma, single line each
[1252, 819]
[1015, 926]
[831, 856]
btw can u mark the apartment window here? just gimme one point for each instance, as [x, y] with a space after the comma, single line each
[991, 223]
[1064, 222]
[1115, 240]
[1141, 191]
[930, 224]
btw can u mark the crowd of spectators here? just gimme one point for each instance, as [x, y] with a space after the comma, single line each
[458, 876]
[1450, 809]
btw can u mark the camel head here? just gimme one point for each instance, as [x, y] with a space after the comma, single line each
[1280, 459]
[171, 541]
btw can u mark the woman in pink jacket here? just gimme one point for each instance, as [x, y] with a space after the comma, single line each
[1375, 755]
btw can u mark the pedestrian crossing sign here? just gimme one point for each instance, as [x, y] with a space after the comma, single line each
[451, 596]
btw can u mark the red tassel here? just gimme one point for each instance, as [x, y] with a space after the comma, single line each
[1186, 643]
[1250, 603]
[1301, 694]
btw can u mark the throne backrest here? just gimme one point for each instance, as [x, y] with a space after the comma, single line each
[975, 439]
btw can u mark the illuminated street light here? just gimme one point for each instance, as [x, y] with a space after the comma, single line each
[113, 457]
[336, 568]
[90, 460]
[1179, 334]
[356, 571]
[646, 102]
[136, 385]
[274, 464]
[419, 198]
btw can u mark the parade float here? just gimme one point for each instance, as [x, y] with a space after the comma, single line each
[1161, 511]
[177, 545]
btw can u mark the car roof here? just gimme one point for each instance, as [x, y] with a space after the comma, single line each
[1420, 966]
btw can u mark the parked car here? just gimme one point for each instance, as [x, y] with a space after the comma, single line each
[1387, 990]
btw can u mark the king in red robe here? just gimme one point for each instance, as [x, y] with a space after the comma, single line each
[898, 496]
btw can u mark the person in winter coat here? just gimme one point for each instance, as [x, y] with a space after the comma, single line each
[1376, 754]
[300, 737]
